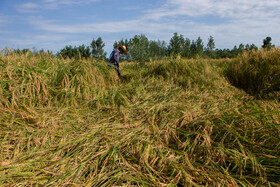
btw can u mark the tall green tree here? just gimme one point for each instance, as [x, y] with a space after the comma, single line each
[210, 52]
[223, 53]
[69, 52]
[267, 43]
[138, 48]
[84, 51]
[251, 47]
[241, 48]
[247, 47]
[176, 45]
[122, 42]
[75, 52]
[234, 51]
[97, 48]
[196, 48]
[187, 48]
[211, 44]
[199, 47]
[193, 49]
[157, 49]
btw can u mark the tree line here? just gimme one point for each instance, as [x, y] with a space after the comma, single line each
[140, 48]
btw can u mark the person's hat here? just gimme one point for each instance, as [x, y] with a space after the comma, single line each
[123, 48]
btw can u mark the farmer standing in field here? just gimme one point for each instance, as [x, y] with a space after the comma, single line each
[114, 58]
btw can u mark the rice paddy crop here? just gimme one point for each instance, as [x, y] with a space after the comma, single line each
[167, 123]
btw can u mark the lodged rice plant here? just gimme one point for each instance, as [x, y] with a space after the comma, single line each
[257, 72]
[167, 123]
[34, 80]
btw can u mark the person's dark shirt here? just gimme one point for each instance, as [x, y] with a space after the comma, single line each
[114, 57]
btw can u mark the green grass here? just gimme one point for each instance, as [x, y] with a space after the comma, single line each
[168, 123]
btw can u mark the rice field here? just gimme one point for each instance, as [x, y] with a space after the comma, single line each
[172, 122]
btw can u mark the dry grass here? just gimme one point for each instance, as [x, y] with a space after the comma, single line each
[169, 123]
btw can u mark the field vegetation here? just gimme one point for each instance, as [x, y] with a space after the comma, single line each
[170, 122]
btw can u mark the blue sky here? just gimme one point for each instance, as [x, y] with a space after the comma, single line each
[53, 24]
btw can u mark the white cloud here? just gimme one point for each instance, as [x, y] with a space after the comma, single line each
[50, 5]
[241, 21]
[27, 7]
[39, 41]
[57, 4]
[3, 20]
[234, 9]
[247, 9]
[171, 16]
[137, 25]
